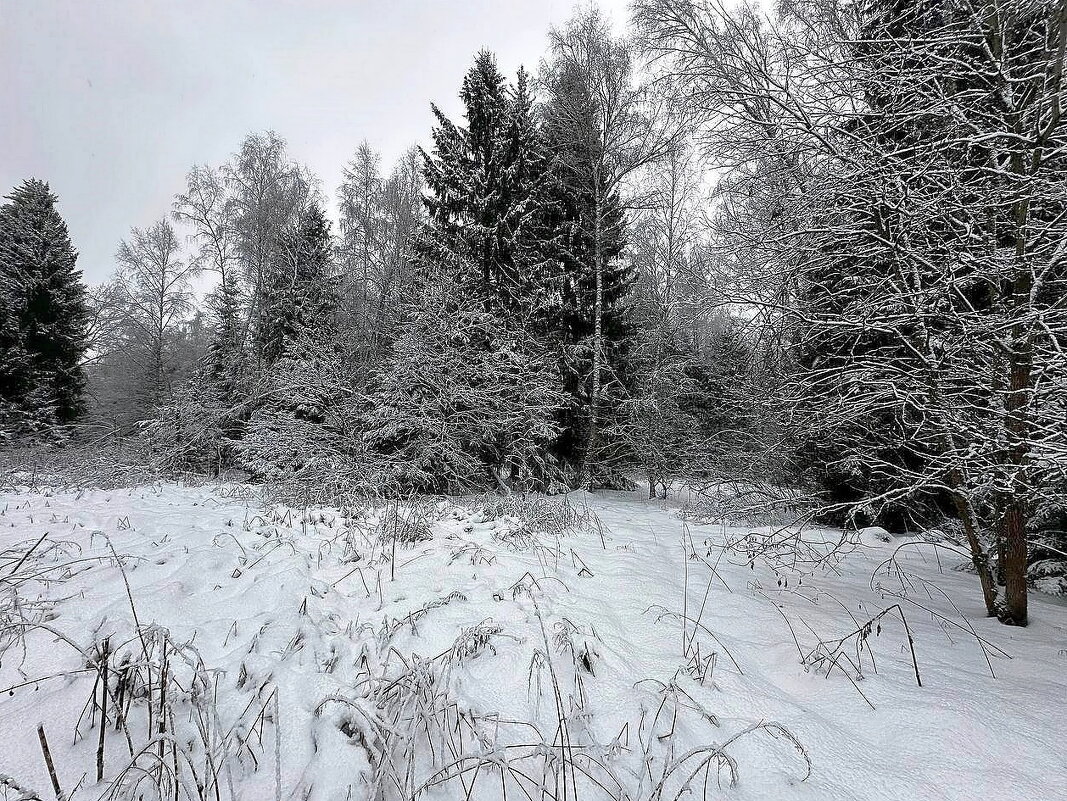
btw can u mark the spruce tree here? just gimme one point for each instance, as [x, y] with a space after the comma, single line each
[487, 285]
[43, 313]
[15, 369]
[295, 426]
[299, 296]
[486, 207]
[469, 402]
[569, 199]
[225, 353]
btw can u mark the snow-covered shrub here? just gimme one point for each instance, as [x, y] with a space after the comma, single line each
[749, 504]
[103, 463]
[301, 437]
[1048, 576]
[408, 523]
[195, 430]
[541, 515]
[467, 403]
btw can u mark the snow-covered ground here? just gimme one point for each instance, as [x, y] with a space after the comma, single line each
[307, 654]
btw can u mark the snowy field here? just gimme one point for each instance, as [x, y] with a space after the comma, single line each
[598, 647]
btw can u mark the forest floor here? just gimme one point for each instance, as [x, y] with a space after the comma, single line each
[598, 646]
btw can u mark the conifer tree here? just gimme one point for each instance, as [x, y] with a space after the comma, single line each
[471, 398]
[603, 127]
[299, 296]
[573, 327]
[15, 369]
[469, 401]
[295, 426]
[486, 206]
[44, 310]
[303, 431]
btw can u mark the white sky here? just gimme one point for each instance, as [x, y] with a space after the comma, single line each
[112, 101]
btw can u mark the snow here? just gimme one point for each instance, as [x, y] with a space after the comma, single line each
[327, 666]
[873, 536]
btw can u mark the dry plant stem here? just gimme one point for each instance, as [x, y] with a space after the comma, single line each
[277, 749]
[129, 595]
[105, 652]
[26, 555]
[903, 596]
[685, 595]
[48, 763]
[697, 625]
[396, 522]
[562, 730]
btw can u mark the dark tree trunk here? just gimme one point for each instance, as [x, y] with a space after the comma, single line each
[1014, 568]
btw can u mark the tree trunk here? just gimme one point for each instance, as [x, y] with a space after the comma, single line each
[598, 338]
[1017, 421]
[979, 557]
[1018, 428]
[1015, 555]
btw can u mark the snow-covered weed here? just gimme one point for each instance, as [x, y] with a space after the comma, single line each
[750, 504]
[151, 707]
[403, 712]
[108, 463]
[408, 522]
[543, 516]
[414, 717]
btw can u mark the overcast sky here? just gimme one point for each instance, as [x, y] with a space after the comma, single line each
[112, 101]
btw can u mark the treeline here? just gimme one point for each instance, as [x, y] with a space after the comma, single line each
[868, 303]
[520, 306]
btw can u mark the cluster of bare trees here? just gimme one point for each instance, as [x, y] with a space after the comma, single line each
[149, 334]
[893, 208]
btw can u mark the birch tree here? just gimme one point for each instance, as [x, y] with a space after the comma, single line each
[609, 129]
[155, 289]
[266, 193]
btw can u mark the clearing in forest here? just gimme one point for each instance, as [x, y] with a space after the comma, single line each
[581, 647]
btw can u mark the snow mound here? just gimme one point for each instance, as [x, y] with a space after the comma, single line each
[874, 537]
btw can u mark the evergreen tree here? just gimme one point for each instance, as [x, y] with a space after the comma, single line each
[571, 202]
[468, 403]
[716, 391]
[471, 397]
[602, 126]
[44, 313]
[298, 420]
[653, 428]
[299, 296]
[486, 207]
[303, 432]
[225, 355]
[15, 368]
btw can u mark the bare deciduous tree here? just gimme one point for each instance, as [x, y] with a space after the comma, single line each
[895, 198]
[155, 289]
